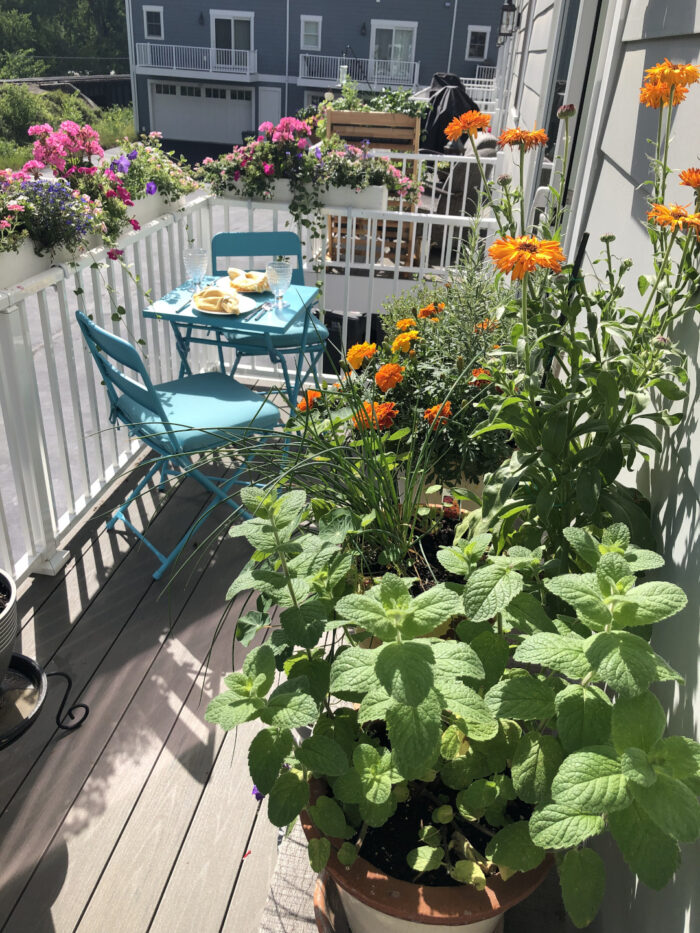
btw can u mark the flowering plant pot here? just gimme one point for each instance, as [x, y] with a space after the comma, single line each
[8, 620]
[153, 206]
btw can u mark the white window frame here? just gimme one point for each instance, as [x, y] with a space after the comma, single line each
[470, 30]
[153, 9]
[310, 19]
[393, 24]
[232, 15]
[309, 95]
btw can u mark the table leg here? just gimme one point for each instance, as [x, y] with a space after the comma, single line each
[182, 344]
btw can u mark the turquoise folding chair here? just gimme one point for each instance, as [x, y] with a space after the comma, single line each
[177, 420]
[305, 339]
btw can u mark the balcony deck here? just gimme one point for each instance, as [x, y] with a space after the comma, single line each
[143, 818]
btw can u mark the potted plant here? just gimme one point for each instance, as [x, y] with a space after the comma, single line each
[460, 762]
[8, 620]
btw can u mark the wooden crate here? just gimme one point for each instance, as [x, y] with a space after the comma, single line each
[395, 131]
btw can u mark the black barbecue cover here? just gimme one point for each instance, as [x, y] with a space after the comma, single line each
[448, 99]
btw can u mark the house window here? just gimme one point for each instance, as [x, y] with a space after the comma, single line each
[189, 90]
[166, 89]
[231, 31]
[313, 98]
[153, 22]
[217, 93]
[311, 33]
[393, 41]
[477, 43]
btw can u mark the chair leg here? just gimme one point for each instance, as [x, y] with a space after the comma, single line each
[120, 513]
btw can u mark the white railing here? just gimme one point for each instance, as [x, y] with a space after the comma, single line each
[483, 91]
[485, 71]
[365, 71]
[57, 450]
[184, 58]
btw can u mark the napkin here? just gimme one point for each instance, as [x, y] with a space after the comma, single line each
[216, 299]
[248, 281]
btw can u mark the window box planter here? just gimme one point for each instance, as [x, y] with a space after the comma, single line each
[152, 207]
[17, 266]
[374, 198]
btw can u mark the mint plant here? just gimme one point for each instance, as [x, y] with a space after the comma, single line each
[529, 729]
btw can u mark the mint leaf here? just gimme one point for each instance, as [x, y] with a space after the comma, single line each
[304, 625]
[584, 544]
[405, 670]
[374, 769]
[537, 759]
[513, 848]
[582, 591]
[266, 754]
[288, 797]
[582, 878]
[649, 603]
[521, 697]
[492, 650]
[637, 722]
[636, 767]
[367, 612]
[640, 559]
[328, 816]
[526, 614]
[455, 659]
[592, 781]
[583, 716]
[414, 733]
[323, 755]
[259, 666]
[557, 652]
[477, 719]
[489, 590]
[649, 852]
[562, 826]
[352, 673]
[476, 799]
[626, 662]
[677, 756]
[425, 858]
[319, 853]
[228, 710]
[671, 805]
[429, 610]
[289, 707]
[249, 625]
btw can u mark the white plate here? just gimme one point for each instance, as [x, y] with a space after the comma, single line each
[245, 302]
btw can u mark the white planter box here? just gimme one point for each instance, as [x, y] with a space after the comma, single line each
[152, 207]
[8, 622]
[15, 267]
[374, 198]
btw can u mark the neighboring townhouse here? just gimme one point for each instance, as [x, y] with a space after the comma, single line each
[210, 74]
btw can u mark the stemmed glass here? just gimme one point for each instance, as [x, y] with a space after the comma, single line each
[195, 260]
[279, 275]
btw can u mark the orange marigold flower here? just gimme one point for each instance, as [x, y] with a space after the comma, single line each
[405, 323]
[402, 343]
[522, 254]
[658, 94]
[454, 130]
[427, 311]
[379, 415]
[496, 346]
[528, 139]
[360, 352]
[438, 414]
[474, 120]
[478, 373]
[434, 319]
[690, 177]
[440, 305]
[309, 400]
[679, 75]
[388, 376]
[671, 215]
[486, 324]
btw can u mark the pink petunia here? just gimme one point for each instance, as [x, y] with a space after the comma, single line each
[115, 253]
[268, 169]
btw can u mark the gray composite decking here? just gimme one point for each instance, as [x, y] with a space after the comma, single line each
[142, 819]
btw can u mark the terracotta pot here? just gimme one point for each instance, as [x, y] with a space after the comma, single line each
[377, 903]
[8, 621]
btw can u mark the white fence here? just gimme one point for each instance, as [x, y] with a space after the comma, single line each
[60, 452]
[196, 58]
[365, 71]
[483, 91]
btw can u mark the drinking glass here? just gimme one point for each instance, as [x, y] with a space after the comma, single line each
[195, 260]
[279, 275]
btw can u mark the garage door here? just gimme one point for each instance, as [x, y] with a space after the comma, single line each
[201, 113]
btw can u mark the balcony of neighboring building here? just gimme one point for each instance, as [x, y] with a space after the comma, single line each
[193, 61]
[321, 70]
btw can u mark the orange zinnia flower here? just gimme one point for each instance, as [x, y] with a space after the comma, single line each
[309, 400]
[454, 130]
[658, 94]
[690, 177]
[402, 343]
[438, 414]
[379, 415]
[473, 120]
[360, 352]
[477, 374]
[486, 324]
[522, 254]
[672, 215]
[679, 75]
[427, 311]
[528, 139]
[440, 306]
[388, 376]
[405, 323]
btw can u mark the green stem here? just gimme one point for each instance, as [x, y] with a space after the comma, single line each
[655, 287]
[522, 189]
[667, 138]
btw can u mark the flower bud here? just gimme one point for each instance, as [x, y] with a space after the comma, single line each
[504, 180]
[661, 341]
[608, 238]
[566, 111]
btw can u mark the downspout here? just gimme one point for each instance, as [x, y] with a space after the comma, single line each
[452, 37]
[132, 64]
[286, 69]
